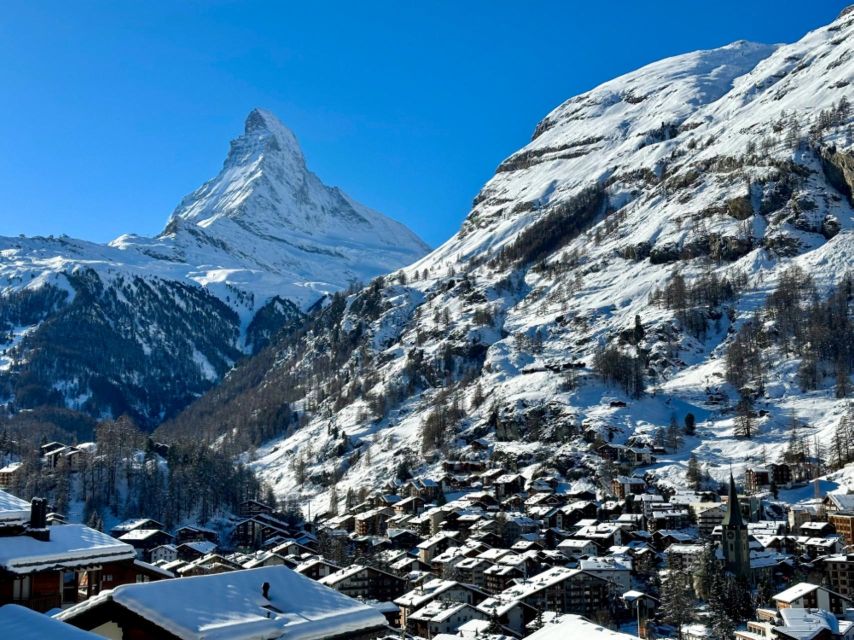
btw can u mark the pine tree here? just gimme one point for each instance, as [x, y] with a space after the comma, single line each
[694, 474]
[677, 600]
[690, 424]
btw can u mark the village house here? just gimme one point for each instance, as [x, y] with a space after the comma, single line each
[761, 479]
[839, 573]
[558, 589]
[622, 486]
[268, 602]
[359, 581]
[44, 567]
[440, 617]
[805, 595]
[441, 590]
[127, 526]
[9, 475]
[143, 540]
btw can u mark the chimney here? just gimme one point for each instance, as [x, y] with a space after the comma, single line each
[38, 520]
[265, 590]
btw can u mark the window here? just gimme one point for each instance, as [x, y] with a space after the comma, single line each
[21, 588]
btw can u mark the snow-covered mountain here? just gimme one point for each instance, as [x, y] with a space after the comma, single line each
[142, 325]
[592, 294]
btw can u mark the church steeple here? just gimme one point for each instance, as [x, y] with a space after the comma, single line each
[734, 541]
[732, 518]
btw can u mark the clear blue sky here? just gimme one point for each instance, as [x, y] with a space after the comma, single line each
[111, 111]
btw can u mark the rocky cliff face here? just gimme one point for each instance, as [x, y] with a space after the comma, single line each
[593, 293]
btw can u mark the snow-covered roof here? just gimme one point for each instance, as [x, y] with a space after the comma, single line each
[13, 509]
[70, 545]
[25, 624]
[574, 626]
[201, 546]
[231, 605]
[12, 466]
[141, 534]
[797, 591]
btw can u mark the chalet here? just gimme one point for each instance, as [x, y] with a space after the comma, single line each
[441, 590]
[816, 529]
[684, 556]
[577, 511]
[137, 523]
[632, 456]
[472, 571]
[669, 519]
[613, 569]
[805, 595]
[317, 568]
[843, 523]
[269, 602]
[410, 505]
[45, 567]
[144, 540]
[373, 522]
[488, 477]
[424, 488]
[839, 573]
[254, 531]
[195, 549]
[573, 548]
[500, 576]
[163, 554]
[508, 484]
[433, 546]
[267, 559]
[9, 475]
[558, 589]
[575, 626]
[194, 533]
[345, 522]
[403, 538]
[622, 486]
[439, 617]
[363, 582]
[761, 479]
[251, 508]
[709, 517]
[838, 503]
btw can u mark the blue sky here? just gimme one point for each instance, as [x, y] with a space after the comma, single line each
[110, 112]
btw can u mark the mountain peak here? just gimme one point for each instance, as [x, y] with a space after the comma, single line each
[264, 133]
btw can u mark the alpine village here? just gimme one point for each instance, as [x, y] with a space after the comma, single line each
[616, 404]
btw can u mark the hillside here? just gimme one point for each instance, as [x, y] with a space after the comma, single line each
[592, 294]
[144, 325]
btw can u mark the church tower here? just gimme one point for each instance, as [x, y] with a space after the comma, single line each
[734, 540]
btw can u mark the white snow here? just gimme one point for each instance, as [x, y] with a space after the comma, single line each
[70, 545]
[25, 624]
[231, 605]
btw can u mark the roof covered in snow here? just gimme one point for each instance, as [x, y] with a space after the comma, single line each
[25, 624]
[573, 626]
[231, 605]
[70, 545]
[13, 509]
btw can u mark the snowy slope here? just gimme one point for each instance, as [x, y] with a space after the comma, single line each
[240, 257]
[699, 164]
